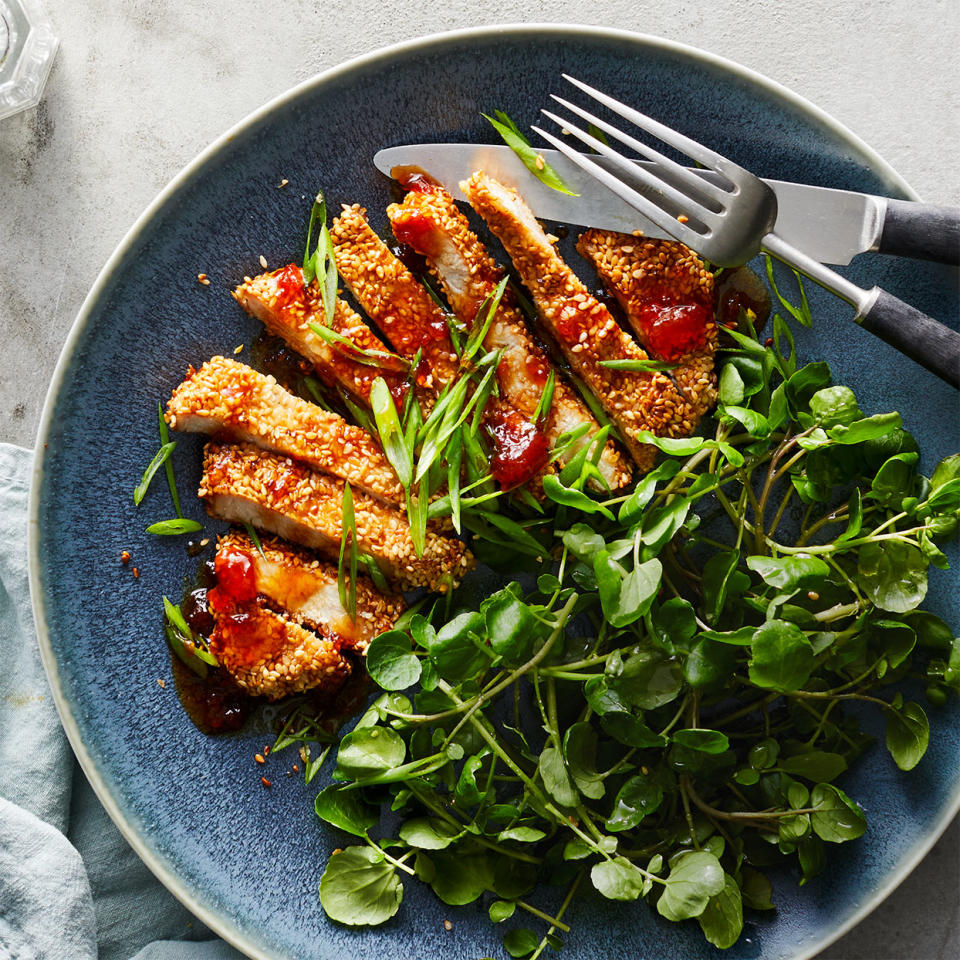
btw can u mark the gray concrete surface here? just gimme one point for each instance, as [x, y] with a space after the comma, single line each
[140, 86]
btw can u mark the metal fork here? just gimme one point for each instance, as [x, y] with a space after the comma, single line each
[728, 215]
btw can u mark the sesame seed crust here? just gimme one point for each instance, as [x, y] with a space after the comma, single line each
[468, 275]
[286, 658]
[392, 296]
[303, 588]
[634, 270]
[582, 326]
[242, 483]
[287, 314]
[234, 401]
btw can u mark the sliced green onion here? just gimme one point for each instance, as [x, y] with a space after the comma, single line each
[168, 465]
[532, 159]
[348, 530]
[640, 366]
[252, 534]
[160, 457]
[542, 412]
[392, 435]
[173, 528]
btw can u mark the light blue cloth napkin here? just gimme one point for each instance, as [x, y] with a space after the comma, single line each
[70, 886]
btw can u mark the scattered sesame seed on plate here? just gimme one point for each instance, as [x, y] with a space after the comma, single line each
[263, 261]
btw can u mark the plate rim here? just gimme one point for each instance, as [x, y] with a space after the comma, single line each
[219, 924]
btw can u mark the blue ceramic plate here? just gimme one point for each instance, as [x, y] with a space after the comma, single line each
[247, 860]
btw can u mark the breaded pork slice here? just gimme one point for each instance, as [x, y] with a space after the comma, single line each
[666, 292]
[392, 297]
[230, 399]
[582, 326]
[430, 221]
[303, 589]
[286, 308]
[273, 657]
[244, 484]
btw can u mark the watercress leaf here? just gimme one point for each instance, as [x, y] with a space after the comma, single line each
[661, 523]
[741, 637]
[501, 910]
[837, 818]
[521, 942]
[367, 752]
[461, 875]
[812, 855]
[456, 651]
[583, 542]
[632, 508]
[803, 384]
[789, 574]
[818, 766]
[390, 661]
[625, 597]
[870, 428]
[604, 697]
[580, 751]
[945, 498]
[649, 680]
[756, 889]
[617, 879]
[717, 572]
[834, 405]
[359, 887]
[640, 796]
[467, 792]
[510, 626]
[932, 633]
[626, 728]
[893, 638]
[763, 755]
[855, 523]
[513, 878]
[568, 497]
[782, 657]
[577, 849]
[694, 878]
[753, 421]
[893, 574]
[895, 479]
[722, 918]
[731, 388]
[674, 621]
[706, 741]
[710, 664]
[345, 810]
[428, 833]
[521, 834]
[908, 734]
[556, 778]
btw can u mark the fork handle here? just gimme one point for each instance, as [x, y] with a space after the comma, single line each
[931, 344]
[921, 230]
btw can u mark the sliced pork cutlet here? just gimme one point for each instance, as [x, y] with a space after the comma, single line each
[393, 298]
[244, 484]
[667, 294]
[286, 308]
[582, 326]
[430, 221]
[403, 309]
[234, 402]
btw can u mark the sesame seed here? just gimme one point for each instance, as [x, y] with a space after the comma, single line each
[282, 184]
[125, 557]
[202, 277]
[263, 261]
[266, 782]
[162, 683]
[239, 349]
[259, 758]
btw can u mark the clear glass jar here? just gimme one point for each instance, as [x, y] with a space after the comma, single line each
[27, 49]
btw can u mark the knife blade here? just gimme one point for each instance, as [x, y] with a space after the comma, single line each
[832, 226]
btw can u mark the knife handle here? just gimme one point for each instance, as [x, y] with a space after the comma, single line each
[921, 230]
[933, 345]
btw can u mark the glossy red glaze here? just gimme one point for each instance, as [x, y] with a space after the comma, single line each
[236, 581]
[414, 179]
[671, 329]
[289, 285]
[731, 303]
[520, 450]
[417, 231]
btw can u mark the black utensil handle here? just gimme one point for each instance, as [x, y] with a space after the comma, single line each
[933, 345]
[921, 230]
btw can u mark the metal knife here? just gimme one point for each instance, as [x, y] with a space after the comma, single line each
[832, 226]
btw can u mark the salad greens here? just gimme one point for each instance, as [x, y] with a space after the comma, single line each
[661, 706]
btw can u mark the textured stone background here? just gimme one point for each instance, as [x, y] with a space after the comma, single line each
[140, 86]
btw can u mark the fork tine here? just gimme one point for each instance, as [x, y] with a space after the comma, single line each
[687, 177]
[694, 150]
[647, 207]
[685, 204]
